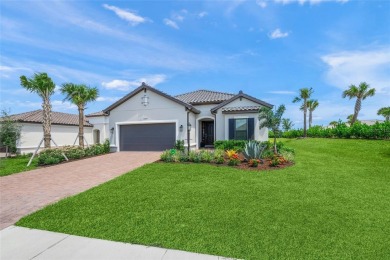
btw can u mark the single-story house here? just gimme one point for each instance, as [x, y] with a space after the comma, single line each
[147, 119]
[64, 129]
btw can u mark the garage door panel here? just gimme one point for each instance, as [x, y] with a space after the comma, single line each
[147, 137]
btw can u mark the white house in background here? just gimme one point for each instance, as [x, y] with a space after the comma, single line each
[64, 129]
[147, 119]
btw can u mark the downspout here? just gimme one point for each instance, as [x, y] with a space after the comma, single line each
[188, 131]
[215, 127]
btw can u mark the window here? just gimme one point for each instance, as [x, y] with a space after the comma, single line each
[241, 129]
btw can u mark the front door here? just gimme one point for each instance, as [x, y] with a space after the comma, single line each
[207, 135]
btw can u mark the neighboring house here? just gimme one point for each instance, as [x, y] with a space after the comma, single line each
[147, 119]
[64, 129]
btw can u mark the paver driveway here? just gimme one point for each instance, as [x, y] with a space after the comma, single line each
[24, 193]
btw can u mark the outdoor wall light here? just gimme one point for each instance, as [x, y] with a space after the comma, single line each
[181, 128]
[145, 100]
[112, 130]
[189, 126]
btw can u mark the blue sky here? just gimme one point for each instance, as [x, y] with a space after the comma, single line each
[268, 49]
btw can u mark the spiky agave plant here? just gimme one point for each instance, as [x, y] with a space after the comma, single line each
[253, 150]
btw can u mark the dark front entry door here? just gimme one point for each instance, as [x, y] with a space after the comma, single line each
[147, 137]
[207, 133]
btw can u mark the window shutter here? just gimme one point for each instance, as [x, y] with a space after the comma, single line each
[231, 128]
[251, 128]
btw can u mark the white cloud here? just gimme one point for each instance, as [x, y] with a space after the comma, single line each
[262, 4]
[277, 33]
[107, 99]
[126, 15]
[59, 105]
[171, 23]
[352, 67]
[282, 92]
[312, 2]
[202, 14]
[125, 85]
[178, 17]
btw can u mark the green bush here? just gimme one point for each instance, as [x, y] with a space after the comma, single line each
[219, 156]
[206, 156]
[342, 130]
[179, 145]
[50, 156]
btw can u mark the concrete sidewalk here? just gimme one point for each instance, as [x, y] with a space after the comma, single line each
[24, 243]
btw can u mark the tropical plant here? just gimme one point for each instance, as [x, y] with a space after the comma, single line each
[287, 124]
[80, 95]
[312, 104]
[42, 84]
[253, 150]
[9, 132]
[304, 95]
[333, 123]
[179, 145]
[272, 120]
[385, 112]
[361, 92]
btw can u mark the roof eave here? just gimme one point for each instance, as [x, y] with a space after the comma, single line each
[241, 95]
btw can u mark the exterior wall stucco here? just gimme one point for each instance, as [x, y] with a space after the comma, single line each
[159, 109]
[32, 134]
[222, 127]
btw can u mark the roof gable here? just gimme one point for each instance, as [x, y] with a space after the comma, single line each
[202, 96]
[147, 87]
[241, 95]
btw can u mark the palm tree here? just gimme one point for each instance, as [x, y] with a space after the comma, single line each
[304, 95]
[271, 119]
[80, 95]
[312, 104]
[334, 123]
[349, 120]
[287, 124]
[360, 93]
[42, 84]
[385, 112]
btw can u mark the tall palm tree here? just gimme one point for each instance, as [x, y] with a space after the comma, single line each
[42, 84]
[271, 119]
[312, 104]
[287, 124]
[304, 95]
[333, 123]
[385, 112]
[80, 95]
[361, 92]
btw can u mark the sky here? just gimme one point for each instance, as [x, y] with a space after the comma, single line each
[267, 49]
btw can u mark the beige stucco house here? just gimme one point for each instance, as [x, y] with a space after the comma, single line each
[147, 119]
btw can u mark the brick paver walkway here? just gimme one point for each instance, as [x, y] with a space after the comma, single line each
[24, 193]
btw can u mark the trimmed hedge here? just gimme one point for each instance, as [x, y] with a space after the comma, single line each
[239, 145]
[55, 155]
[342, 130]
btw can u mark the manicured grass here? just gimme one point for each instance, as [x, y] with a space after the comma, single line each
[17, 164]
[334, 203]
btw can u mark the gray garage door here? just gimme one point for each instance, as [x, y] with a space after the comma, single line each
[147, 137]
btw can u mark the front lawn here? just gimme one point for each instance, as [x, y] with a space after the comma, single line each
[16, 164]
[333, 203]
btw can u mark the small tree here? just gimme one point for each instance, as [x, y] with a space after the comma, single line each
[385, 112]
[9, 133]
[333, 123]
[287, 124]
[272, 119]
[80, 95]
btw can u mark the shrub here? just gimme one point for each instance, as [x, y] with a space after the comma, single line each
[170, 156]
[254, 162]
[50, 156]
[342, 130]
[74, 152]
[219, 156]
[288, 156]
[195, 157]
[206, 156]
[253, 150]
[179, 145]
[274, 161]
[237, 145]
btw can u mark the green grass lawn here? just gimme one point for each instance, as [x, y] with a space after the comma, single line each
[17, 164]
[334, 203]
